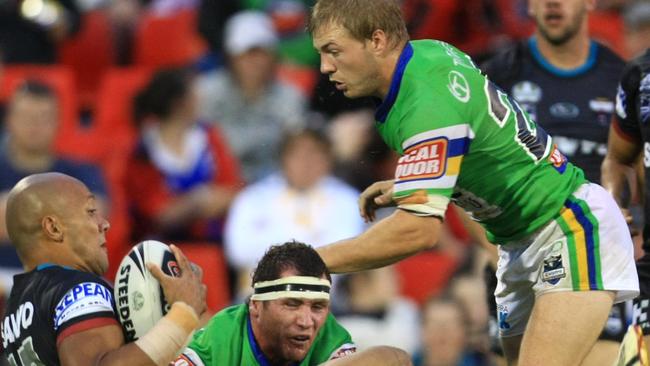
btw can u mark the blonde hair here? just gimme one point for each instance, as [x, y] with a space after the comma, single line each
[360, 18]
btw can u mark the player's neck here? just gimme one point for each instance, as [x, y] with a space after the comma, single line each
[387, 69]
[568, 55]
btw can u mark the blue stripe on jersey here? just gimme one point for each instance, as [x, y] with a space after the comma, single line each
[537, 55]
[458, 147]
[387, 104]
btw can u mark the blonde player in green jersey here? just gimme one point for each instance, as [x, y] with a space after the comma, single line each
[565, 252]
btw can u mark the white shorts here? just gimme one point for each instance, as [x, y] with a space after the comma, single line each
[586, 247]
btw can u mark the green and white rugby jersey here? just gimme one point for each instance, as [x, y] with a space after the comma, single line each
[463, 139]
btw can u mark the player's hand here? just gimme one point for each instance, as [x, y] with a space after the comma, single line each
[187, 287]
[377, 195]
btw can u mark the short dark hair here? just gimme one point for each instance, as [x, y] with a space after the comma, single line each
[159, 96]
[35, 88]
[290, 255]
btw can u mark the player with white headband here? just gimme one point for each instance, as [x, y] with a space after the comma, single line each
[285, 322]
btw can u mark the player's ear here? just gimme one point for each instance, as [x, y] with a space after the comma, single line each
[254, 308]
[378, 41]
[590, 5]
[52, 228]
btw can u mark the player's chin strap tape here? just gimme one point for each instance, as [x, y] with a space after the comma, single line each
[305, 287]
[168, 337]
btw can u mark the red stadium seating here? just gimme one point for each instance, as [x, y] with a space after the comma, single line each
[425, 275]
[168, 40]
[89, 54]
[210, 258]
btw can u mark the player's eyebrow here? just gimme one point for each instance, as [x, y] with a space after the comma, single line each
[326, 45]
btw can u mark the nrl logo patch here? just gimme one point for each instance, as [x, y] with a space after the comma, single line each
[553, 270]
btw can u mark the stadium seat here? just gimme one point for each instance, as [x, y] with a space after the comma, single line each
[210, 258]
[59, 78]
[168, 40]
[302, 77]
[89, 54]
[425, 275]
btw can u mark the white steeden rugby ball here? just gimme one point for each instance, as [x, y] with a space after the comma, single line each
[138, 296]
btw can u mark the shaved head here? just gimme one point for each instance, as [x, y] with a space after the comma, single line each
[34, 198]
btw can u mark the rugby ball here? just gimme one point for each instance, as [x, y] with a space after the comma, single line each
[139, 298]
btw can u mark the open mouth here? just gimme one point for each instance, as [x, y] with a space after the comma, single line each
[300, 341]
[553, 18]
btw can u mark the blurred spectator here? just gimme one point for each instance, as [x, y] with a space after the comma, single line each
[444, 336]
[636, 17]
[374, 312]
[302, 202]
[471, 294]
[537, 71]
[30, 30]
[27, 148]
[181, 177]
[288, 17]
[361, 156]
[249, 103]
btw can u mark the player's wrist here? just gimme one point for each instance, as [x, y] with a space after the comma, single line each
[183, 315]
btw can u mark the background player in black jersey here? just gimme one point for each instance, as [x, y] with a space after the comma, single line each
[567, 83]
[629, 141]
[60, 311]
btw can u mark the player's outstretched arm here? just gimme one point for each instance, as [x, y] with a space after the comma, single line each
[396, 237]
[103, 346]
[374, 356]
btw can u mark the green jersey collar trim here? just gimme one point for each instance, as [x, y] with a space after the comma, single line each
[382, 111]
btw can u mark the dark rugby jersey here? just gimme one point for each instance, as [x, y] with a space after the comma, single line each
[47, 305]
[632, 120]
[574, 106]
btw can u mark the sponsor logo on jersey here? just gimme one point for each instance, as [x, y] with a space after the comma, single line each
[553, 270]
[601, 105]
[83, 298]
[644, 99]
[527, 92]
[345, 350]
[558, 159]
[14, 323]
[564, 110]
[458, 86]
[426, 160]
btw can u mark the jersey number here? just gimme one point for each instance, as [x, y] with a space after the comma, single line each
[529, 136]
[26, 355]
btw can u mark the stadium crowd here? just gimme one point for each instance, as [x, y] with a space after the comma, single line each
[207, 124]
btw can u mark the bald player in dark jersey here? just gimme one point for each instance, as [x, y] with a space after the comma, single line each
[60, 311]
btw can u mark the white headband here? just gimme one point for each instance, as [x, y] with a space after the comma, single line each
[305, 287]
